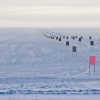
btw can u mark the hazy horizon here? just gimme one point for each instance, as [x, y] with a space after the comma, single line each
[86, 32]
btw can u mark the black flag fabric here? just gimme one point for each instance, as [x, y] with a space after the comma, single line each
[59, 39]
[74, 48]
[67, 37]
[92, 42]
[80, 39]
[90, 37]
[67, 43]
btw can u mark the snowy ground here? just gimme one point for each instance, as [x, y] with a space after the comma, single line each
[35, 67]
[49, 97]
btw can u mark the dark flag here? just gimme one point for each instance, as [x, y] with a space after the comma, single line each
[59, 39]
[67, 43]
[67, 37]
[63, 37]
[90, 37]
[92, 42]
[73, 37]
[74, 48]
[52, 37]
[79, 39]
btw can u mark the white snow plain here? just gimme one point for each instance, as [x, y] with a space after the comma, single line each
[33, 67]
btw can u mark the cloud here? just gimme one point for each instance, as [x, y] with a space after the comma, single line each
[75, 24]
[26, 12]
[28, 3]
[57, 13]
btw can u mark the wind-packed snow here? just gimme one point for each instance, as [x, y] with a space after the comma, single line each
[34, 65]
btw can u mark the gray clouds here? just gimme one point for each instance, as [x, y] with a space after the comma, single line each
[71, 3]
[49, 13]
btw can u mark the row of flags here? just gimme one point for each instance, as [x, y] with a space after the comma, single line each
[52, 35]
[59, 37]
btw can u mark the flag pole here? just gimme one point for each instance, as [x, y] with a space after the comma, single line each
[76, 53]
[89, 68]
[94, 68]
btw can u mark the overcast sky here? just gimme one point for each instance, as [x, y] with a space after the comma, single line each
[50, 13]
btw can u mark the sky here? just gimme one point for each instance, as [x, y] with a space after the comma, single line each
[50, 13]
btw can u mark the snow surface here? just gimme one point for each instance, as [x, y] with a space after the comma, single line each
[35, 67]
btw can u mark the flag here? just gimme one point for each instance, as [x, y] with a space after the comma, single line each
[74, 48]
[90, 37]
[59, 39]
[92, 60]
[80, 39]
[67, 37]
[67, 43]
[92, 42]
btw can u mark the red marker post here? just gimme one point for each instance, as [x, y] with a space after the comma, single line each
[92, 62]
